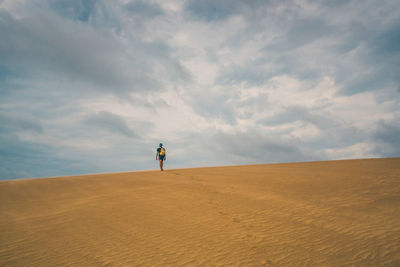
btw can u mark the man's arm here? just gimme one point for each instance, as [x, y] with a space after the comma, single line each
[157, 155]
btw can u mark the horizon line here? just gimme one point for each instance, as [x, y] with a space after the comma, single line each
[186, 168]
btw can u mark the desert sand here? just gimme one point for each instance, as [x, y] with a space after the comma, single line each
[333, 213]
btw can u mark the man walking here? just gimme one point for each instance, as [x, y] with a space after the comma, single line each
[161, 155]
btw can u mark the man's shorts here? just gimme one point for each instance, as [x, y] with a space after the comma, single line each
[161, 157]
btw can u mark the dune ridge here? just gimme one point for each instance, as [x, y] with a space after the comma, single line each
[333, 213]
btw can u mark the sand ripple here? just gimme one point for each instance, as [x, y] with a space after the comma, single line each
[338, 213]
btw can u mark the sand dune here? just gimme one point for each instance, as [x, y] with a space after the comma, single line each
[334, 213]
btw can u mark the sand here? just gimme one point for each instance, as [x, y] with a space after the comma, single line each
[334, 213]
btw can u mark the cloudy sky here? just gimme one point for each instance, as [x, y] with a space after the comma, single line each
[92, 86]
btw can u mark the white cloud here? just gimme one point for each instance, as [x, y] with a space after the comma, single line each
[94, 86]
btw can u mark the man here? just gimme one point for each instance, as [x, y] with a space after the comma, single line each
[161, 155]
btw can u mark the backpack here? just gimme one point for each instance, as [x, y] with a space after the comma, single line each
[162, 151]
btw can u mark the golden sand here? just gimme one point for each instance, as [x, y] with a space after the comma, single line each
[318, 213]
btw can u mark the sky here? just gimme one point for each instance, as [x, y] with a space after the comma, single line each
[94, 86]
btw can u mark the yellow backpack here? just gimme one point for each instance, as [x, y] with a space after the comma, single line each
[162, 152]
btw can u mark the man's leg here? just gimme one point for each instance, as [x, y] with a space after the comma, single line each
[161, 164]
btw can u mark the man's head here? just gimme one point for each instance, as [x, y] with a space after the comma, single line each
[160, 144]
